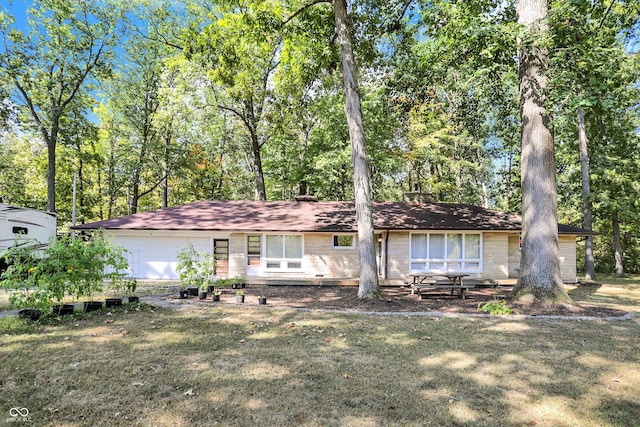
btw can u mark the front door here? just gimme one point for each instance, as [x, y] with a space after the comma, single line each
[221, 256]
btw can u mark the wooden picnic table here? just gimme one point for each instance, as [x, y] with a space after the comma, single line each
[454, 278]
[424, 282]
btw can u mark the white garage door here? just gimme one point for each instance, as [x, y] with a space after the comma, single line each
[153, 257]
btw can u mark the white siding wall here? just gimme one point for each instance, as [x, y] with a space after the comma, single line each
[321, 259]
[495, 251]
[398, 255]
[514, 256]
[567, 254]
[237, 254]
[567, 251]
[154, 254]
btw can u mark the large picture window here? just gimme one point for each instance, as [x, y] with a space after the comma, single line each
[445, 252]
[283, 251]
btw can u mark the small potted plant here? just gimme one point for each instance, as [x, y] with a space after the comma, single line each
[89, 289]
[240, 296]
[117, 285]
[262, 300]
[188, 271]
[202, 293]
[210, 287]
[216, 295]
[238, 282]
[183, 291]
[194, 290]
[130, 287]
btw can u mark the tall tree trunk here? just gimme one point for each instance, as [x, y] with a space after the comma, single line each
[80, 185]
[369, 286]
[166, 160]
[52, 141]
[51, 176]
[619, 268]
[303, 185]
[111, 180]
[540, 276]
[589, 262]
[135, 190]
[483, 180]
[258, 175]
[100, 196]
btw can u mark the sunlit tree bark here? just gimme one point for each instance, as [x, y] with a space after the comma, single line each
[369, 286]
[540, 276]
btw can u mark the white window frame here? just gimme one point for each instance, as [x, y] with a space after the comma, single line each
[283, 263]
[442, 265]
[257, 256]
[352, 247]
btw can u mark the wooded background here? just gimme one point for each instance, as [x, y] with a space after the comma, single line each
[155, 103]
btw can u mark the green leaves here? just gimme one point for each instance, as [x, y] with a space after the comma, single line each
[497, 307]
[67, 267]
[67, 47]
[195, 268]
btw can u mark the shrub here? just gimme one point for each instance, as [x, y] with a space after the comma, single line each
[195, 268]
[225, 282]
[67, 267]
[495, 307]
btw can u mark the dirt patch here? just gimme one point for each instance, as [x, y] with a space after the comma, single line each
[400, 299]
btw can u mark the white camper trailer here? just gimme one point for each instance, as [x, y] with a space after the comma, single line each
[25, 223]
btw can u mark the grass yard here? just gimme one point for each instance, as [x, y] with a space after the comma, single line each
[241, 367]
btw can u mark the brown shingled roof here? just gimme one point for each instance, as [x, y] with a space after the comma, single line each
[308, 216]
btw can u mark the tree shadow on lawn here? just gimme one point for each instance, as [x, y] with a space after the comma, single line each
[402, 371]
[245, 367]
[400, 300]
[621, 296]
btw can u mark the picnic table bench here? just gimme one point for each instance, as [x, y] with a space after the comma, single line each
[421, 290]
[426, 282]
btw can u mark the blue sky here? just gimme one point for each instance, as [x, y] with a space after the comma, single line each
[18, 8]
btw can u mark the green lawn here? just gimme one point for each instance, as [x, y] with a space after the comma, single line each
[246, 366]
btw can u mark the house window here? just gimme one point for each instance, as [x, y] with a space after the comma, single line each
[446, 252]
[254, 249]
[344, 242]
[283, 251]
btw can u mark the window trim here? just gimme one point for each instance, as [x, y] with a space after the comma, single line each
[462, 262]
[283, 261]
[254, 259]
[334, 238]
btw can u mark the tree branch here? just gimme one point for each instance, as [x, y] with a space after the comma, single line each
[32, 109]
[233, 110]
[604, 17]
[160, 39]
[396, 22]
[90, 65]
[303, 8]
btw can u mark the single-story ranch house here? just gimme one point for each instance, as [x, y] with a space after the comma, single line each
[315, 241]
